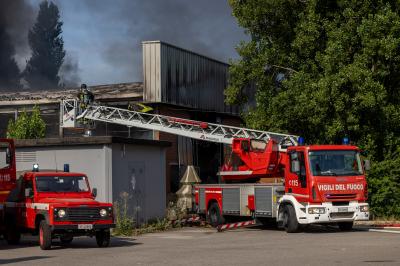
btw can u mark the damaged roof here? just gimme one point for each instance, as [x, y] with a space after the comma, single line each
[105, 93]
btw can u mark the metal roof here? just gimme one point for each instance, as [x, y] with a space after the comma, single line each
[103, 93]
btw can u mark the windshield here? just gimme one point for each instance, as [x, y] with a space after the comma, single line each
[335, 163]
[62, 184]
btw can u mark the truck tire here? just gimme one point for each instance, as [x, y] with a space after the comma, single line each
[214, 216]
[12, 234]
[290, 220]
[66, 239]
[103, 238]
[345, 226]
[44, 235]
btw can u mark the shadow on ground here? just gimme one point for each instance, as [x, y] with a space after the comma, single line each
[77, 243]
[23, 259]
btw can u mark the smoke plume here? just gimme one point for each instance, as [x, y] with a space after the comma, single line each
[117, 29]
[69, 72]
[15, 19]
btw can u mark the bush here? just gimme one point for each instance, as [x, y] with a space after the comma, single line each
[384, 188]
[27, 126]
[124, 224]
[152, 226]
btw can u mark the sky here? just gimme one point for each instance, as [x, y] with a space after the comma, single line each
[103, 38]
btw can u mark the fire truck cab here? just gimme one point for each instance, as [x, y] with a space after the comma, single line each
[55, 204]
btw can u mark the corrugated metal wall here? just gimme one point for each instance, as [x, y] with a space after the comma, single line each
[176, 76]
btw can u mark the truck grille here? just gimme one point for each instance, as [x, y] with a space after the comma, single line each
[338, 215]
[83, 214]
[340, 196]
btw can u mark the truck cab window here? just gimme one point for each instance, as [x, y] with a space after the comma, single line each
[5, 155]
[28, 185]
[299, 157]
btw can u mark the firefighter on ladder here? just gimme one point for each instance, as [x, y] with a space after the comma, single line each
[85, 98]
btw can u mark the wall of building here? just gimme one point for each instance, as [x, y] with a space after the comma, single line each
[88, 159]
[177, 76]
[140, 172]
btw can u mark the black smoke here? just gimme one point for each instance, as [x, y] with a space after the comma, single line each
[69, 72]
[15, 18]
[205, 26]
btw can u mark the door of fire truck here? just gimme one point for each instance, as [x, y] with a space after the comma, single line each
[296, 176]
[7, 167]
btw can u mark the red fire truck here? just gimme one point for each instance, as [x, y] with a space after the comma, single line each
[316, 183]
[50, 204]
[320, 184]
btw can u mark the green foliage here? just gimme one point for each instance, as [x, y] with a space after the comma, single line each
[324, 70]
[384, 188]
[124, 224]
[47, 48]
[27, 126]
[154, 226]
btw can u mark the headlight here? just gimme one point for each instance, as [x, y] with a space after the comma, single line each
[364, 208]
[103, 212]
[316, 210]
[61, 213]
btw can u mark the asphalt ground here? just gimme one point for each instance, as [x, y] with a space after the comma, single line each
[204, 246]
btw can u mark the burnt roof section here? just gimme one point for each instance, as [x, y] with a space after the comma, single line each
[73, 141]
[104, 93]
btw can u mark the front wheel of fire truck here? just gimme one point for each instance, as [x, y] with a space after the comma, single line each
[290, 222]
[345, 226]
[44, 235]
[103, 238]
[214, 216]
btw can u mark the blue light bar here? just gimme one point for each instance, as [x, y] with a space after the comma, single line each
[301, 141]
[346, 141]
[35, 168]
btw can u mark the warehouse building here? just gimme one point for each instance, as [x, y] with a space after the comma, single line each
[176, 82]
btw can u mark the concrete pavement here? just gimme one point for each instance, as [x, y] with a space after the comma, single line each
[200, 246]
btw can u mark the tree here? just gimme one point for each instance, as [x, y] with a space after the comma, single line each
[47, 48]
[27, 126]
[323, 70]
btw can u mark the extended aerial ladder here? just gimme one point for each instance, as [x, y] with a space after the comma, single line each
[253, 164]
[73, 115]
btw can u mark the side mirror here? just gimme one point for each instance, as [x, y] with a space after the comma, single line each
[94, 192]
[28, 192]
[8, 157]
[245, 145]
[296, 166]
[367, 165]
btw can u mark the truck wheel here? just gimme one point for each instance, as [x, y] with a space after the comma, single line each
[103, 238]
[345, 226]
[214, 216]
[290, 220]
[66, 239]
[44, 235]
